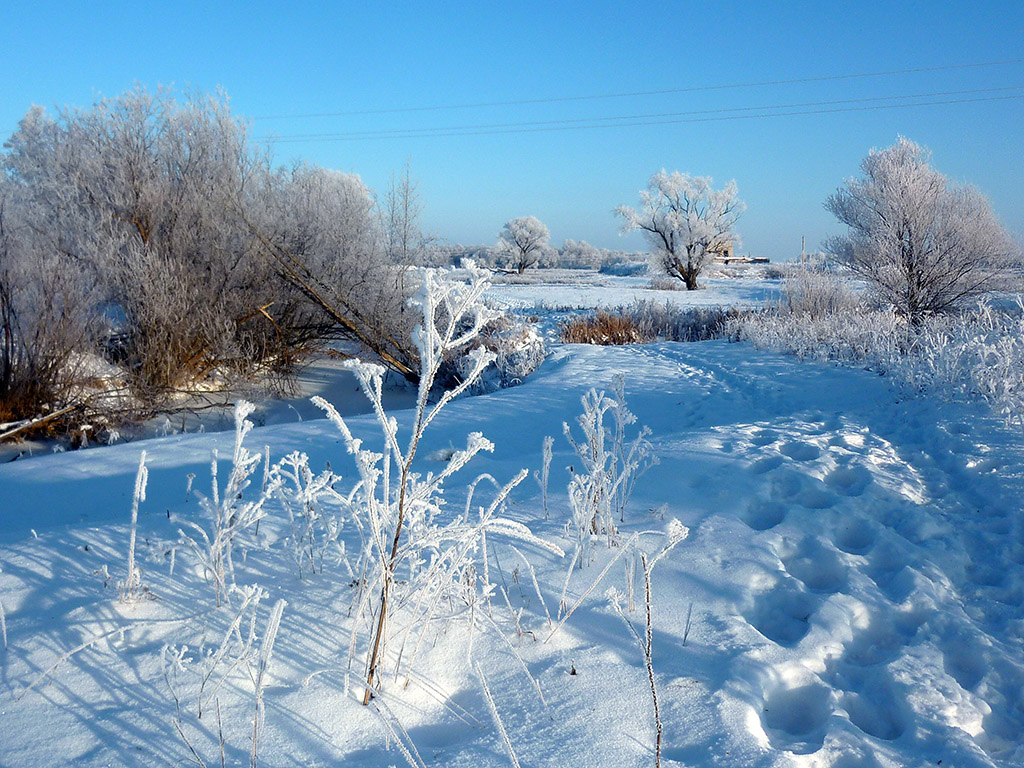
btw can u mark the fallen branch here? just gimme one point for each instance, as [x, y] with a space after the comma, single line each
[28, 424]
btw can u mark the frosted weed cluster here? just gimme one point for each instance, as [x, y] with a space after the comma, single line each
[978, 354]
[413, 569]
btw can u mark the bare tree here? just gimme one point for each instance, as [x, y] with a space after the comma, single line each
[685, 222]
[400, 209]
[523, 241]
[922, 243]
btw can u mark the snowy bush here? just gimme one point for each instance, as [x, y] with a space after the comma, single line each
[158, 210]
[517, 347]
[611, 463]
[400, 513]
[314, 509]
[974, 355]
[818, 294]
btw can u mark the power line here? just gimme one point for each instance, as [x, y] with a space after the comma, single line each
[584, 121]
[665, 122]
[667, 91]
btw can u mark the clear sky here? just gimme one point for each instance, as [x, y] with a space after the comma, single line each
[298, 59]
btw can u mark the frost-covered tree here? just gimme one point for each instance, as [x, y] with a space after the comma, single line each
[923, 243]
[321, 229]
[685, 222]
[47, 310]
[146, 192]
[523, 241]
[578, 254]
[159, 208]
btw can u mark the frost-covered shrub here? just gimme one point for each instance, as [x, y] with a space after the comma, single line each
[665, 284]
[975, 355]
[867, 336]
[818, 294]
[315, 512]
[229, 515]
[416, 562]
[611, 463]
[671, 322]
[518, 350]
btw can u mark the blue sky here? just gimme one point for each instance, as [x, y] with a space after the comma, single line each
[303, 58]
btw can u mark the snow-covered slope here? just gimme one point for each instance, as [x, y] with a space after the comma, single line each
[850, 594]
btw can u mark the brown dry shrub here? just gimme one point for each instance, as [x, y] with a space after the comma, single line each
[606, 329]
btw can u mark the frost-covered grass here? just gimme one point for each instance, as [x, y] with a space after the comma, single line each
[978, 354]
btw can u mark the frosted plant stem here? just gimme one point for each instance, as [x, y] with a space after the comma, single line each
[133, 582]
[649, 660]
[494, 714]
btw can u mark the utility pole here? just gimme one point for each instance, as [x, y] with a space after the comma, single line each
[803, 249]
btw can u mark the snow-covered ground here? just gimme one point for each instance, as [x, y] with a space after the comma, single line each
[851, 592]
[608, 291]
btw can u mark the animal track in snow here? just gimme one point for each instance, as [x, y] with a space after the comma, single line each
[963, 658]
[815, 495]
[872, 701]
[848, 480]
[764, 437]
[855, 536]
[767, 464]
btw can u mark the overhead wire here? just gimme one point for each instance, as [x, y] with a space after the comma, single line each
[640, 119]
[679, 121]
[628, 94]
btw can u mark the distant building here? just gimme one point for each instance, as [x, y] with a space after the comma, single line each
[725, 254]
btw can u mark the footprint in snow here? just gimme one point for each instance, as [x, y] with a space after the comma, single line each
[817, 564]
[783, 613]
[848, 480]
[797, 706]
[762, 514]
[856, 536]
[800, 451]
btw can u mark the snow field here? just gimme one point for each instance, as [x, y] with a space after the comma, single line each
[853, 585]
